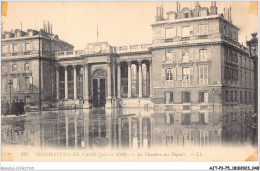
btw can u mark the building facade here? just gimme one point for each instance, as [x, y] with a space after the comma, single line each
[194, 67]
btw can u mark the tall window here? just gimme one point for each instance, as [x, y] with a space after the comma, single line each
[241, 78]
[3, 69]
[245, 97]
[203, 97]
[231, 96]
[185, 31]
[14, 67]
[185, 120]
[4, 49]
[168, 56]
[185, 75]
[15, 48]
[227, 96]
[169, 97]
[27, 46]
[245, 79]
[235, 96]
[249, 98]
[201, 118]
[203, 54]
[168, 74]
[241, 97]
[203, 29]
[203, 74]
[28, 83]
[185, 97]
[15, 84]
[27, 67]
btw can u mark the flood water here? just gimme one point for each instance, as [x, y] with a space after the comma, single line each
[117, 128]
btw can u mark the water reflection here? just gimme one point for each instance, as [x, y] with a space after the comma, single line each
[115, 128]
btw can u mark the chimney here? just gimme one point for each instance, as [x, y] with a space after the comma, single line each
[177, 7]
[230, 15]
[51, 28]
[48, 27]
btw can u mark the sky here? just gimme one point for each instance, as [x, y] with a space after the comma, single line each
[119, 23]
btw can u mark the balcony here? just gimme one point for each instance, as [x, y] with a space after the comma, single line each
[132, 48]
[24, 54]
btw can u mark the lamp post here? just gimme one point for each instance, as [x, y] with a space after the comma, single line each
[213, 92]
[10, 83]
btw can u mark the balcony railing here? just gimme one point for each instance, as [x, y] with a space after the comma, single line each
[132, 48]
[65, 54]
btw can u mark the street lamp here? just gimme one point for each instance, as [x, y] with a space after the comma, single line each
[213, 92]
[10, 83]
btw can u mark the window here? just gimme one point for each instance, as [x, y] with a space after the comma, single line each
[203, 54]
[3, 69]
[241, 78]
[28, 83]
[169, 97]
[168, 56]
[245, 79]
[227, 96]
[27, 67]
[203, 97]
[249, 98]
[185, 97]
[203, 29]
[231, 96]
[201, 118]
[249, 79]
[27, 46]
[203, 74]
[245, 97]
[170, 32]
[185, 119]
[185, 75]
[14, 67]
[185, 31]
[235, 96]
[185, 56]
[4, 49]
[185, 15]
[241, 97]
[16, 84]
[15, 48]
[27, 101]
[168, 74]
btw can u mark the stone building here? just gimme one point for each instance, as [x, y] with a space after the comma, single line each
[28, 63]
[195, 68]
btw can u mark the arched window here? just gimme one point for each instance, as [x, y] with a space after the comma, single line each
[27, 67]
[14, 67]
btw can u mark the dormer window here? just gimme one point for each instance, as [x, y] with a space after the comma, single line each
[225, 30]
[185, 15]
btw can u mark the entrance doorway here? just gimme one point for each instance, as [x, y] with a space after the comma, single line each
[99, 88]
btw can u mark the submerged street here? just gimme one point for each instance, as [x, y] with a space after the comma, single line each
[117, 128]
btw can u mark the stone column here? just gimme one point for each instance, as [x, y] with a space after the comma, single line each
[75, 81]
[141, 132]
[118, 80]
[129, 80]
[76, 130]
[140, 79]
[108, 99]
[57, 83]
[151, 79]
[66, 81]
[86, 87]
[130, 131]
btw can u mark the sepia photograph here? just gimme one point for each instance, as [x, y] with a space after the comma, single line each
[129, 81]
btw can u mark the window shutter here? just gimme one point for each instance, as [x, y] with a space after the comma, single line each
[206, 95]
[179, 73]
